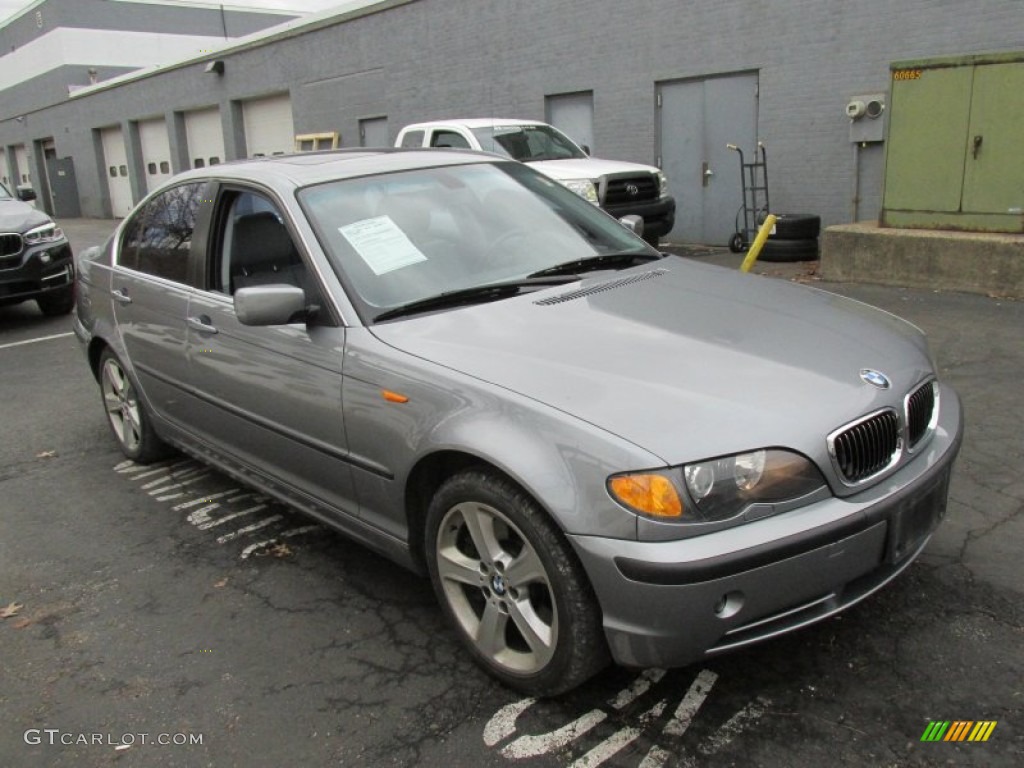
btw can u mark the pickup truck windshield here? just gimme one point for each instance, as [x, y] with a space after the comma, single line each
[528, 143]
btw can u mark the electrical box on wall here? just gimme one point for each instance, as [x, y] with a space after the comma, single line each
[867, 117]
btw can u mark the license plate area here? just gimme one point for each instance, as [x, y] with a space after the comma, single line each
[915, 519]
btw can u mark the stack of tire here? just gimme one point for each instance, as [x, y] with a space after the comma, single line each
[795, 238]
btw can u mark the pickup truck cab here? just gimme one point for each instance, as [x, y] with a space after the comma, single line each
[618, 187]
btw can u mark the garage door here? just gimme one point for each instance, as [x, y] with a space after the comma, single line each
[156, 152]
[9, 179]
[116, 160]
[269, 129]
[205, 137]
[24, 171]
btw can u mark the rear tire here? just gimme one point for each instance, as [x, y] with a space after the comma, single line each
[511, 585]
[127, 416]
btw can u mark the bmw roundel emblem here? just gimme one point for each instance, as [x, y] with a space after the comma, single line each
[875, 378]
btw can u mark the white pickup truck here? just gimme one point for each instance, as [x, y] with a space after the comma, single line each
[619, 188]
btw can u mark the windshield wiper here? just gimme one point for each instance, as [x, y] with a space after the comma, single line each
[472, 295]
[593, 263]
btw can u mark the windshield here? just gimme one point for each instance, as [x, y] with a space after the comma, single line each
[528, 143]
[402, 237]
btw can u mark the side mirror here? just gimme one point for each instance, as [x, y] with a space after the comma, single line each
[586, 149]
[633, 223]
[270, 305]
[26, 194]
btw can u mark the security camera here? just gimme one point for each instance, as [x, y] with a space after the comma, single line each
[856, 109]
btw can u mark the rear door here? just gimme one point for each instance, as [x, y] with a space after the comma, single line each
[151, 285]
[270, 397]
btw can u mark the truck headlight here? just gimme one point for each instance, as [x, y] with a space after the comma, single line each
[585, 188]
[662, 184]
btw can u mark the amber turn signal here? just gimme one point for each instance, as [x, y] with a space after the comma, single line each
[651, 494]
[393, 397]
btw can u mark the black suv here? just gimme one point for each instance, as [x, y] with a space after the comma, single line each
[35, 257]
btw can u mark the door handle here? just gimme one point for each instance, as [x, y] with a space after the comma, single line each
[705, 174]
[202, 323]
[977, 145]
[120, 296]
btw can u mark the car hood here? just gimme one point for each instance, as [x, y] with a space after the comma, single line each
[589, 168]
[16, 216]
[684, 360]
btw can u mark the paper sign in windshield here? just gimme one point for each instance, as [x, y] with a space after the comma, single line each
[381, 244]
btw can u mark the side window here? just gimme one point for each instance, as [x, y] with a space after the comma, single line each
[158, 238]
[257, 249]
[413, 139]
[449, 139]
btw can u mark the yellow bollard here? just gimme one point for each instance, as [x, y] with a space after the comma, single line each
[755, 249]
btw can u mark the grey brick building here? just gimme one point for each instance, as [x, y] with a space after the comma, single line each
[660, 81]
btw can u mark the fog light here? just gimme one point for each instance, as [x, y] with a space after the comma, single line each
[45, 258]
[729, 604]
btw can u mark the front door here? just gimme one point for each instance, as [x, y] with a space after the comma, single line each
[697, 119]
[270, 396]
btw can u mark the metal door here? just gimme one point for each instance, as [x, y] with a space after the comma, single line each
[573, 115]
[928, 123]
[373, 132]
[994, 166]
[697, 118]
[63, 187]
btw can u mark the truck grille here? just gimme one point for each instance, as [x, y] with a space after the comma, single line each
[920, 412]
[633, 189]
[866, 447]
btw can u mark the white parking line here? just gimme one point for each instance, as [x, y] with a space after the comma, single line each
[248, 529]
[287, 534]
[10, 344]
[220, 521]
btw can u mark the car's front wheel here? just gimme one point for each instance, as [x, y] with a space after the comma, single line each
[126, 413]
[510, 584]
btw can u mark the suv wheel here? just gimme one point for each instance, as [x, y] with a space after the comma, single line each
[59, 302]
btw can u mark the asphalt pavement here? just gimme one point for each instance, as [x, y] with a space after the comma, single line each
[165, 616]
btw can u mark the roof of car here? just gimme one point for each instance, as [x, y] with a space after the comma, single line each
[303, 169]
[475, 122]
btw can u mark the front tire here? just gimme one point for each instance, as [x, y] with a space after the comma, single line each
[126, 414]
[512, 587]
[57, 302]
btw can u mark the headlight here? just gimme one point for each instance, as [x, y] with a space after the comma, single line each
[585, 188]
[662, 184]
[719, 489]
[723, 488]
[47, 233]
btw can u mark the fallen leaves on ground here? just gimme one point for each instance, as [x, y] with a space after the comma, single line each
[222, 583]
[278, 550]
[46, 455]
[11, 610]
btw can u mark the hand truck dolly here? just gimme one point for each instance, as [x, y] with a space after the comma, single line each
[754, 180]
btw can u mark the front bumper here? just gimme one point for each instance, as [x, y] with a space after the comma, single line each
[670, 604]
[659, 215]
[38, 270]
